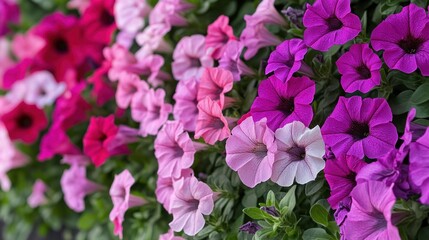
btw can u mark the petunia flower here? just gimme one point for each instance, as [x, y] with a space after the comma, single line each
[230, 60]
[80, 5]
[360, 127]
[266, 13]
[174, 150]
[404, 37]
[218, 35]
[150, 110]
[37, 196]
[370, 216]
[286, 59]
[340, 173]
[122, 199]
[329, 23]
[129, 85]
[130, 15]
[76, 187]
[251, 150]
[299, 154]
[214, 83]
[164, 188]
[99, 21]
[192, 200]
[26, 45]
[169, 236]
[24, 122]
[151, 69]
[212, 126]
[282, 103]
[56, 142]
[360, 69]
[190, 57]
[10, 14]
[250, 227]
[185, 109]
[419, 165]
[76, 159]
[103, 89]
[152, 39]
[170, 12]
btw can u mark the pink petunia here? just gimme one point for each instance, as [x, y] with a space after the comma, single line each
[37, 196]
[214, 83]
[170, 236]
[170, 12]
[150, 66]
[152, 39]
[130, 15]
[186, 110]
[231, 61]
[164, 188]
[251, 150]
[56, 142]
[80, 5]
[218, 34]
[266, 13]
[26, 45]
[129, 85]
[212, 126]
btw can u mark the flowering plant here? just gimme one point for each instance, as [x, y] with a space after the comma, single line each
[218, 119]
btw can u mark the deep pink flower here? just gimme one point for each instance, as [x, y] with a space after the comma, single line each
[370, 216]
[56, 142]
[212, 126]
[164, 188]
[122, 199]
[218, 35]
[102, 90]
[98, 21]
[230, 60]
[174, 150]
[26, 45]
[329, 22]
[19, 71]
[214, 83]
[340, 173]
[282, 103]
[186, 110]
[190, 57]
[404, 37]
[360, 127]
[129, 85]
[170, 12]
[76, 186]
[37, 196]
[419, 165]
[150, 110]
[192, 200]
[250, 151]
[25, 122]
[9, 14]
[286, 59]
[299, 155]
[360, 69]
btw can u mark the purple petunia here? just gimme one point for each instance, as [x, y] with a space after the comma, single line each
[286, 59]
[360, 69]
[329, 22]
[282, 103]
[419, 165]
[404, 37]
[360, 127]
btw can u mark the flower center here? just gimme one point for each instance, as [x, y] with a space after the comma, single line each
[106, 18]
[286, 106]
[24, 121]
[216, 123]
[102, 137]
[297, 152]
[195, 62]
[334, 23]
[260, 150]
[363, 71]
[410, 44]
[358, 130]
[61, 46]
[178, 152]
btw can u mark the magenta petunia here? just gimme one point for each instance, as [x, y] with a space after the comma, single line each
[218, 35]
[360, 69]
[56, 141]
[340, 173]
[360, 127]
[99, 21]
[419, 165]
[9, 14]
[211, 125]
[186, 110]
[103, 89]
[251, 150]
[214, 83]
[286, 59]
[282, 103]
[329, 23]
[404, 37]
[370, 215]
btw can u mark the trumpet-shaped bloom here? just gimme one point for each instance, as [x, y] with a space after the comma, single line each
[404, 37]
[129, 85]
[130, 15]
[215, 82]
[37, 196]
[299, 155]
[282, 103]
[266, 13]
[360, 127]
[170, 12]
[212, 126]
[26, 45]
[56, 141]
[152, 39]
[186, 110]
[286, 59]
[99, 21]
[360, 69]
[80, 5]
[419, 164]
[165, 191]
[192, 200]
[169, 236]
[9, 14]
[122, 199]
[329, 22]
[230, 60]
[218, 35]
[251, 151]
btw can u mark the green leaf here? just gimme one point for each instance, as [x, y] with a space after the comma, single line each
[313, 187]
[86, 221]
[316, 234]
[421, 94]
[401, 103]
[271, 199]
[289, 200]
[422, 110]
[319, 214]
[254, 213]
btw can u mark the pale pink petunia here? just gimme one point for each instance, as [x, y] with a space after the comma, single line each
[266, 13]
[76, 159]
[231, 61]
[214, 83]
[212, 126]
[130, 15]
[26, 45]
[218, 34]
[80, 5]
[250, 151]
[152, 39]
[190, 57]
[193, 199]
[122, 199]
[169, 236]
[299, 155]
[76, 187]
[37, 196]
[150, 110]
[5, 59]
[150, 66]
[120, 60]
[170, 12]
[164, 188]
[186, 110]
[129, 85]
